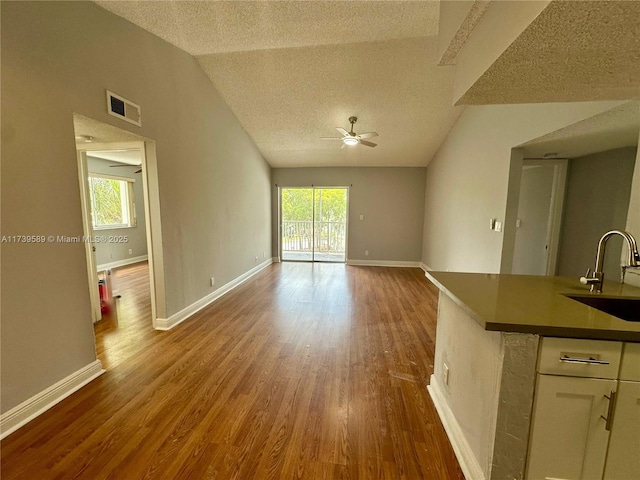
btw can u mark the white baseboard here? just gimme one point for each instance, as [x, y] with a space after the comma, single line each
[383, 263]
[276, 260]
[122, 263]
[43, 401]
[468, 462]
[425, 267]
[182, 315]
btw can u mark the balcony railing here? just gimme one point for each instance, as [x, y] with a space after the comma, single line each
[326, 238]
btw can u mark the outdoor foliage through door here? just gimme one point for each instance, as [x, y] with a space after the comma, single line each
[314, 222]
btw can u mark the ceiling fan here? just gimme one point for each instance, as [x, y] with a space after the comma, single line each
[351, 138]
[128, 165]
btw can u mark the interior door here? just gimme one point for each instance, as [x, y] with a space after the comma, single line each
[540, 205]
[87, 227]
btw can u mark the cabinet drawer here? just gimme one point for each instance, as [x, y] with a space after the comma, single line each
[630, 369]
[579, 358]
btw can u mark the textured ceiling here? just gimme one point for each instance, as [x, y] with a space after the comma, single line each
[573, 51]
[615, 128]
[203, 27]
[130, 157]
[287, 99]
[293, 71]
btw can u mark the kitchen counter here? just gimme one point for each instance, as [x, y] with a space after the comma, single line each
[537, 305]
[488, 335]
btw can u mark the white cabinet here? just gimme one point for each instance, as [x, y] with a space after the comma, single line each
[586, 411]
[623, 460]
[568, 435]
[630, 369]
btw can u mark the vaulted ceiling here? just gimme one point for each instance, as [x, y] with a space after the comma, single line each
[292, 71]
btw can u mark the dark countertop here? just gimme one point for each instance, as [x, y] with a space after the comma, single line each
[533, 304]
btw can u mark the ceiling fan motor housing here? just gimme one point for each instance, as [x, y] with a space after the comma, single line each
[352, 138]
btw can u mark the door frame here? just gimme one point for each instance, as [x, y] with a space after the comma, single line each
[280, 220]
[556, 209]
[152, 222]
[87, 229]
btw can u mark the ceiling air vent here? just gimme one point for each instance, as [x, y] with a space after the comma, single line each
[122, 108]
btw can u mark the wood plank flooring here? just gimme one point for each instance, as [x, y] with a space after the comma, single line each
[127, 329]
[313, 371]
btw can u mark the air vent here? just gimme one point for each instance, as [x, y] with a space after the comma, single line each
[122, 108]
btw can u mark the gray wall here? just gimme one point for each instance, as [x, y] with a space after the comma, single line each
[597, 200]
[633, 218]
[137, 236]
[58, 58]
[391, 200]
[468, 180]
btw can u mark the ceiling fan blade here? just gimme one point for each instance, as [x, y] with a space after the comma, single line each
[344, 145]
[368, 135]
[330, 138]
[342, 131]
[368, 144]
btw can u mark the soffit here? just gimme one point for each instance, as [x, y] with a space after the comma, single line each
[573, 51]
[615, 128]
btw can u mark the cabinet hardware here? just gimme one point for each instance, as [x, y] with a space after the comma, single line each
[609, 418]
[588, 361]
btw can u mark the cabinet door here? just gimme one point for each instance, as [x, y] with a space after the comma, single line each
[623, 460]
[568, 436]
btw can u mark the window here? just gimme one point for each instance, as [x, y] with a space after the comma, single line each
[111, 202]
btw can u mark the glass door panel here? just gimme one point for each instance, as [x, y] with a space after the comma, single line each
[314, 224]
[297, 224]
[330, 224]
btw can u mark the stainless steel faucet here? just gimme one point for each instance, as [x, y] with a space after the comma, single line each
[597, 278]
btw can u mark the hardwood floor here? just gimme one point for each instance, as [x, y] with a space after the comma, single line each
[120, 333]
[313, 371]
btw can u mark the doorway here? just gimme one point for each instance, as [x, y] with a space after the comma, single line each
[314, 224]
[542, 187]
[120, 215]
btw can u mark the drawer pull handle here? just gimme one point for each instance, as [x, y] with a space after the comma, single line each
[587, 361]
[609, 418]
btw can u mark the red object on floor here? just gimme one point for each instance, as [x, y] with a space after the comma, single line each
[105, 307]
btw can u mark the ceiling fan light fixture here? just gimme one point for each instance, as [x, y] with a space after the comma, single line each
[350, 141]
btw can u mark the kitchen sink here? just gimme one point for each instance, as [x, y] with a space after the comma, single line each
[625, 308]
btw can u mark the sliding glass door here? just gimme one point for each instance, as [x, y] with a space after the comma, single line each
[330, 224]
[297, 224]
[314, 224]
